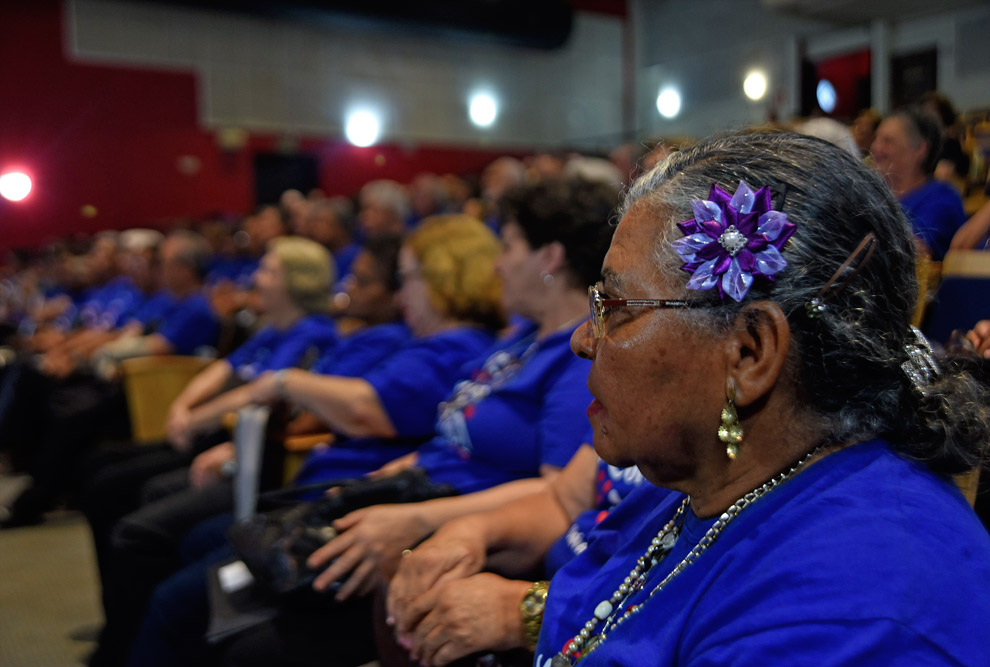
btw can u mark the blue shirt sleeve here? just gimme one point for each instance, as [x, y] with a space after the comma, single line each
[360, 352]
[936, 213]
[313, 334]
[412, 382]
[150, 313]
[190, 324]
[248, 351]
[270, 349]
[563, 423]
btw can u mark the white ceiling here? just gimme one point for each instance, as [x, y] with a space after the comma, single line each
[856, 12]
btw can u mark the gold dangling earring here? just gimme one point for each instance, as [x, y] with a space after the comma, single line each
[730, 431]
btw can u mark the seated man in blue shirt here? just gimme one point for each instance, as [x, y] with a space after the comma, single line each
[184, 324]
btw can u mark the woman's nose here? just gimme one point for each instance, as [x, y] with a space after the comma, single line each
[583, 341]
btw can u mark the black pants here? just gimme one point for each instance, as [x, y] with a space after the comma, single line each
[120, 480]
[139, 509]
[145, 552]
[51, 425]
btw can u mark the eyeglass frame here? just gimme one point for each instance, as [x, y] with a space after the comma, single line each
[598, 305]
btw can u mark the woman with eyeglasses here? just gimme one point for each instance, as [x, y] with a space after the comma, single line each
[752, 357]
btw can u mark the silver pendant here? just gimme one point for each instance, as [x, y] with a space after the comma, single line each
[560, 661]
[667, 541]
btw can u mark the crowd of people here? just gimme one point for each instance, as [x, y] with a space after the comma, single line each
[665, 407]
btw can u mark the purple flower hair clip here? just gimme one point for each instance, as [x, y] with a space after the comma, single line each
[732, 239]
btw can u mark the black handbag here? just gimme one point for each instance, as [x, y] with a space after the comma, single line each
[274, 545]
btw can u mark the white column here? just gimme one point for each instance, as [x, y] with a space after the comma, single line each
[880, 65]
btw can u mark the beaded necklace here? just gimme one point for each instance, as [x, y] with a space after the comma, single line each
[607, 611]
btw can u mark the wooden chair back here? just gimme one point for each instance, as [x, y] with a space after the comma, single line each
[151, 384]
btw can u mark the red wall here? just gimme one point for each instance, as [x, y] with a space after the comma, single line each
[111, 138]
[850, 74]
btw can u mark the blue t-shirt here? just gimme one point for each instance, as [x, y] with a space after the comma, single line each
[150, 312]
[936, 213]
[272, 349]
[189, 323]
[110, 304]
[359, 352]
[103, 306]
[612, 484]
[523, 407]
[864, 558]
[410, 383]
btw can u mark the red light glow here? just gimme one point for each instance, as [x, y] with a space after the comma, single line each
[15, 185]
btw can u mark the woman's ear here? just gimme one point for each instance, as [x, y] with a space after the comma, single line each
[756, 350]
[553, 256]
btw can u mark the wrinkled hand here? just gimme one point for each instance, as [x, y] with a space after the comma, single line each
[368, 547]
[178, 427]
[979, 336]
[207, 467]
[480, 613]
[457, 550]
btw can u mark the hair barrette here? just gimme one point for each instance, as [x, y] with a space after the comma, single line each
[847, 272]
[733, 239]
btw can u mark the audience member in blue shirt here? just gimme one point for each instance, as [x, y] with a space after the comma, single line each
[736, 611]
[905, 153]
[936, 213]
[293, 284]
[429, 583]
[803, 435]
[374, 337]
[185, 323]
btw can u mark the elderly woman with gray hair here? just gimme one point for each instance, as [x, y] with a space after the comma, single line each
[751, 351]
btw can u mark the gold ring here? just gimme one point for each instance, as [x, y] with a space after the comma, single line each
[406, 552]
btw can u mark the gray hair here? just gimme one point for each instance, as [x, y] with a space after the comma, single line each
[846, 362]
[387, 194]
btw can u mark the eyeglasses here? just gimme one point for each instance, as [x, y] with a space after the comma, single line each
[600, 307]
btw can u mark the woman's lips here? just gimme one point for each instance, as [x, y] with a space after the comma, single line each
[595, 408]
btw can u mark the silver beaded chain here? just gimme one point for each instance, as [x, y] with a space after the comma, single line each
[607, 609]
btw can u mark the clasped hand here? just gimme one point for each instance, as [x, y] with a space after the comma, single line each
[442, 609]
[368, 547]
[463, 616]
